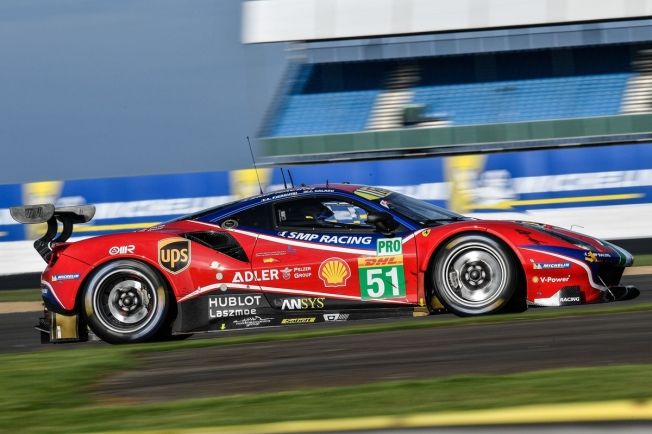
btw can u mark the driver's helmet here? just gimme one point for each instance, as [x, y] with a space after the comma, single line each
[317, 211]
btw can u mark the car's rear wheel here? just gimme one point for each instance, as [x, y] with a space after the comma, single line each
[474, 274]
[126, 301]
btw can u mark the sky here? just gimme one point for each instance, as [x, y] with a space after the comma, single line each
[97, 88]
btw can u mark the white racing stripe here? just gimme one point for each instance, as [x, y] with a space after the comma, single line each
[412, 235]
[327, 247]
[284, 241]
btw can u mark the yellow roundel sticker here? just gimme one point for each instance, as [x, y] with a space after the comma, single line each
[334, 272]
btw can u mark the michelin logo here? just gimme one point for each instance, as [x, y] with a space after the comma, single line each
[59, 277]
[550, 265]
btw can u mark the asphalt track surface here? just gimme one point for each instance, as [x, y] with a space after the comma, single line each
[600, 340]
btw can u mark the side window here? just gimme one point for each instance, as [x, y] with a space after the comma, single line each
[257, 217]
[321, 213]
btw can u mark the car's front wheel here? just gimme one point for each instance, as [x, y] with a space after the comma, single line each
[125, 301]
[474, 274]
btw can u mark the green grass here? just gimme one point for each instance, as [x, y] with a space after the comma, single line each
[642, 260]
[411, 324]
[20, 295]
[49, 393]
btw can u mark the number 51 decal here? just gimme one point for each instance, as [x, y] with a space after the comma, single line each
[381, 277]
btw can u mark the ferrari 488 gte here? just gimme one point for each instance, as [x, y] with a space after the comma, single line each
[307, 255]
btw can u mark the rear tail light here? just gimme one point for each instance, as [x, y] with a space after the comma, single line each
[57, 249]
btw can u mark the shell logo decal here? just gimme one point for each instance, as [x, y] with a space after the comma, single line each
[334, 272]
[590, 257]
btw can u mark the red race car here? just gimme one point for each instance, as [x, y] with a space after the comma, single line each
[306, 255]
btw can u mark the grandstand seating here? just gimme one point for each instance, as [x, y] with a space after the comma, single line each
[329, 99]
[326, 112]
[524, 100]
[464, 90]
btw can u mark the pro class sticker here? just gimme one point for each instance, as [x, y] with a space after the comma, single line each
[174, 254]
[389, 246]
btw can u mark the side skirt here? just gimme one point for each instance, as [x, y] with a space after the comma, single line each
[307, 317]
[227, 311]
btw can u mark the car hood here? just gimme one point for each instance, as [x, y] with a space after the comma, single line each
[596, 250]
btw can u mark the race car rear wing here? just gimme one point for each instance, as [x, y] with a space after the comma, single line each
[47, 213]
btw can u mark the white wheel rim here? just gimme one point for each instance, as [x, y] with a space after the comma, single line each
[112, 311]
[474, 275]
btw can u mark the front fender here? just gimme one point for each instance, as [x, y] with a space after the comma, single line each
[540, 283]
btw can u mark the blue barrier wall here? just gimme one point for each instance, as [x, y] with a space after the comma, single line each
[614, 179]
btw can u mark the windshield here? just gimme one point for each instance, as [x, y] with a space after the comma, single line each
[418, 210]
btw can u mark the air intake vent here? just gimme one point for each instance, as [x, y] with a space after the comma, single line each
[610, 274]
[221, 242]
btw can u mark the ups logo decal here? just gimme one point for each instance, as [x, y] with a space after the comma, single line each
[174, 254]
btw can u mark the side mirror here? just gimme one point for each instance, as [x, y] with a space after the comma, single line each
[383, 221]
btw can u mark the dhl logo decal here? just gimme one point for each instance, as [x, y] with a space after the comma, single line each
[380, 261]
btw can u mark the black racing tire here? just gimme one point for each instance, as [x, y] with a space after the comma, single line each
[126, 301]
[474, 274]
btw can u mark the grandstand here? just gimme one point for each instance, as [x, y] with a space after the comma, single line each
[377, 80]
[456, 90]
[431, 98]
[329, 98]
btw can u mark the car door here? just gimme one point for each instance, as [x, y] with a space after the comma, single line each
[324, 255]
